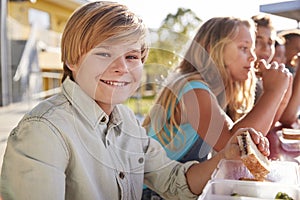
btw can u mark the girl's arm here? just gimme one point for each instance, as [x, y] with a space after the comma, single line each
[276, 81]
[204, 114]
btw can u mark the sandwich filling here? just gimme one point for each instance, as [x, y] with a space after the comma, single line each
[253, 159]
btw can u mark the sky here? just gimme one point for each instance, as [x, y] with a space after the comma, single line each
[154, 11]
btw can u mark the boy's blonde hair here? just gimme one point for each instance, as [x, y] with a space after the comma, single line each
[97, 22]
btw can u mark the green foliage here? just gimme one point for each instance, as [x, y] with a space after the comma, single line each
[183, 22]
[140, 106]
[168, 44]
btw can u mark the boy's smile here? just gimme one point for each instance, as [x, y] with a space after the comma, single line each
[115, 83]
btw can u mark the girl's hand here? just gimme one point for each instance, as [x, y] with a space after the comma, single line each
[275, 77]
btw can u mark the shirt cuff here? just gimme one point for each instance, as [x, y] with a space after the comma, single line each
[185, 192]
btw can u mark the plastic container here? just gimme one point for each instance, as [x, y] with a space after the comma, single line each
[247, 190]
[287, 144]
[283, 172]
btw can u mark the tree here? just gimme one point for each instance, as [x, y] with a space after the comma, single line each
[168, 43]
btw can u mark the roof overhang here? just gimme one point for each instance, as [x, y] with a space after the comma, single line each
[288, 9]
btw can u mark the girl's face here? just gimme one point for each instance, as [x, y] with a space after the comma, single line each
[110, 73]
[239, 55]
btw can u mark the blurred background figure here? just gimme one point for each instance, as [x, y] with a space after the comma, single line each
[265, 37]
[279, 55]
[292, 46]
[264, 45]
[290, 116]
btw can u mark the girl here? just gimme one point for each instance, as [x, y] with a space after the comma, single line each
[215, 83]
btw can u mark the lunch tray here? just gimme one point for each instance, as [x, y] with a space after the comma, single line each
[288, 144]
[219, 189]
[283, 172]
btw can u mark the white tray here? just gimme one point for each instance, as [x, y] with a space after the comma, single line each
[287, 144]
[247, 190]
[283, 172]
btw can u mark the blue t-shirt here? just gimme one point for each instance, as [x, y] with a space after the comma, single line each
[194, 147]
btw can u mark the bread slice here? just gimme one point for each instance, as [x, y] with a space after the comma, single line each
[253, 159]
[291, 134]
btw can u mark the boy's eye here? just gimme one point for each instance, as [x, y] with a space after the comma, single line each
[132, 57]
[259, 43]
[103, 54]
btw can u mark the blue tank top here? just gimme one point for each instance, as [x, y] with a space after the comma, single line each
[194, 147]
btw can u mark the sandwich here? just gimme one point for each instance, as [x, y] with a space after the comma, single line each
[253, 159]
[291, 134]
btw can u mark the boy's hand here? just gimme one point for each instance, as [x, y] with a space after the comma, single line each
[232, 149]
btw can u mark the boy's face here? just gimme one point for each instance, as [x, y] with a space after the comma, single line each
[265, 43]
[110, 73]
[292, 50]
[279, 55]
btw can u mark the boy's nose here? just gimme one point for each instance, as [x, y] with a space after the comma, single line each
[120, 65]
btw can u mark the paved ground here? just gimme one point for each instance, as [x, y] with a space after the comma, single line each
[9, 117]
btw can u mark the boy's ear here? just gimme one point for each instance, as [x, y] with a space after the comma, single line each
[72, 67]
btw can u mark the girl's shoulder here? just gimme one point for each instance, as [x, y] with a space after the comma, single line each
[193, 84]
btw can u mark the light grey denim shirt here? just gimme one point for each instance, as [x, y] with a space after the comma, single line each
[68, 148]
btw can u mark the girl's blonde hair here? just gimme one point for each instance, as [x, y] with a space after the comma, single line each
[97, 22]
[204, 61]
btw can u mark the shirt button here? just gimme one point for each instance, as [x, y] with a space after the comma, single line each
[141, 160]
[103, 119]
[121, 175]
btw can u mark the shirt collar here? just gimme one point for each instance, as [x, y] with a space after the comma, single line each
[116, 116]
[84, 104]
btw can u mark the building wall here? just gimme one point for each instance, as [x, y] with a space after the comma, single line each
[59, 12]
[43, 40]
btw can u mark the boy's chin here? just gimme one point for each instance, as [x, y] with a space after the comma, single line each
[120, 99]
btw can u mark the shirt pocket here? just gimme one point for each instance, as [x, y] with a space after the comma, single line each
[137, 163]
[136, 175]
